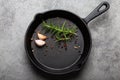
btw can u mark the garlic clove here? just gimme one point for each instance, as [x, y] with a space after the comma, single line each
[40, 42]
[41, 36]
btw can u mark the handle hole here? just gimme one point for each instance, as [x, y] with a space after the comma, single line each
[102, 8]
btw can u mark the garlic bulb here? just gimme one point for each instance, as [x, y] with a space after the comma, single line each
[40, 42]
[41, 36]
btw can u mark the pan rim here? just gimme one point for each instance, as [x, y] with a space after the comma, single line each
[71, 64]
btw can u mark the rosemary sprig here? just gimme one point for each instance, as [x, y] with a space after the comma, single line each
[61, 33]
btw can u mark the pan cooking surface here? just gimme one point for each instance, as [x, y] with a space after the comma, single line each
[55, 54]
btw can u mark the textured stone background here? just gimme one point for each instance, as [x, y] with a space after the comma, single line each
[15, 16]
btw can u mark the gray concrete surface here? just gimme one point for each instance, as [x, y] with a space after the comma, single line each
[15, 16]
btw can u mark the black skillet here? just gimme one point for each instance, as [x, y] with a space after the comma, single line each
[58, 60]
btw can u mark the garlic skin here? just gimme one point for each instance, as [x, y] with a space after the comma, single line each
[41, 36]
[40, 42]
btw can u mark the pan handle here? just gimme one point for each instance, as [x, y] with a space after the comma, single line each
[97, 11]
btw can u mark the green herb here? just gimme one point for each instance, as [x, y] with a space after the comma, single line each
[61, 33]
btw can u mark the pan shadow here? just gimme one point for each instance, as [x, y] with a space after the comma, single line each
[100, 20]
